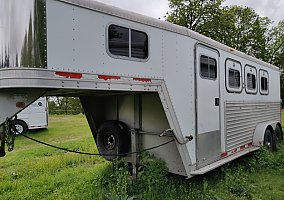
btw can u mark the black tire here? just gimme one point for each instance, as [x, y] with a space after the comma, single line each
[113, 138]
[269, 140]
[21, 127]
[278, 134]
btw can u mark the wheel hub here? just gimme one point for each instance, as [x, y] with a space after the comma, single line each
[109, 141]
[19, 128]
[268, 144]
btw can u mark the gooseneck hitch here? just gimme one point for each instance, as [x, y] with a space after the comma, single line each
[7, 136]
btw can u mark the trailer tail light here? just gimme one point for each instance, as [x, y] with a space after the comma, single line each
[69, 75]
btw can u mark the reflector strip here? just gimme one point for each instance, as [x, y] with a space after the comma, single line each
[69, 75]
[106, 77]
[146, 80]
[225, 154]
[243, 147]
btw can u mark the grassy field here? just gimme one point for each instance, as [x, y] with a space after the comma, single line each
[33, 171]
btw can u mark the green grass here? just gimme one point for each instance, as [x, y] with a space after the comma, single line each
[33, 171]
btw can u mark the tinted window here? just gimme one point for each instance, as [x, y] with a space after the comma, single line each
[208, 67]
[120, 44]
[234, 78]
[251, 81]
[139, 44]
[264, 84]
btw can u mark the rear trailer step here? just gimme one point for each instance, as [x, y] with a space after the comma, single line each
[223, 161]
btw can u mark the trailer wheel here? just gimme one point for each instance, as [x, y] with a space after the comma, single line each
[278, 134]
[20, 126]
[113, 138]
[269, 140]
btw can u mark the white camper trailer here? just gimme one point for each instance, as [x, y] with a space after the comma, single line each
[138, 77]
[35, 116]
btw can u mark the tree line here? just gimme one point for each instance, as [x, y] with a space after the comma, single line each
[64, 106]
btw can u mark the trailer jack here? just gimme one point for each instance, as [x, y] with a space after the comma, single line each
[7, 136]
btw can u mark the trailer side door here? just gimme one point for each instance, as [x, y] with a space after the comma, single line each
[208, 133]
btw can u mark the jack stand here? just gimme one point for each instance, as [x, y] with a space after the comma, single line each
[134, 157]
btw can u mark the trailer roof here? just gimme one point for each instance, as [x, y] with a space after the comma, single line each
[118, 12]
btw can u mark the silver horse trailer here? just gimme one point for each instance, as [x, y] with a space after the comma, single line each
[138, 77]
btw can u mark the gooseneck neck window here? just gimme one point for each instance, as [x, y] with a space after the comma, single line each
[127, 43]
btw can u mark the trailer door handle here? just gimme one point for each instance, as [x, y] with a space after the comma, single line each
[217, 101]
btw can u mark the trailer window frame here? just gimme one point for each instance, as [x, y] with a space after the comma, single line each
[130, 48]
[215, 66]
[233, 65]
[249, 69]
[263, 74]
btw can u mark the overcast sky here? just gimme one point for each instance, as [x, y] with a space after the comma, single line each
[274, 9]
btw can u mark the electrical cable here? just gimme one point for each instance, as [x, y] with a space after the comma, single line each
[96, 154]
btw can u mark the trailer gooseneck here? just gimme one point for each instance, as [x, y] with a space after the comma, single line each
[137, 77]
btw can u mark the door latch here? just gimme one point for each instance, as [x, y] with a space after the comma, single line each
[217, 101]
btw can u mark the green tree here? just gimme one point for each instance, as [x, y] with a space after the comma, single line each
[275, 41]
[276, 51]
[193, 13]
[248, 31]
[64, 105]
[238, 27]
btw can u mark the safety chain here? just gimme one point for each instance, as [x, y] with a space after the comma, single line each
[10, 134]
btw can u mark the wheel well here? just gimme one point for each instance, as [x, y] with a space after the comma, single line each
[260, 129]
[270, 128]
[20, 120]
[143, 111]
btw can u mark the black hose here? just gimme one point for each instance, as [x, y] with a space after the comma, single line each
[96, 154]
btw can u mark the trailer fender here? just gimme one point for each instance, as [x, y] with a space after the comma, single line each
[259, 132]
